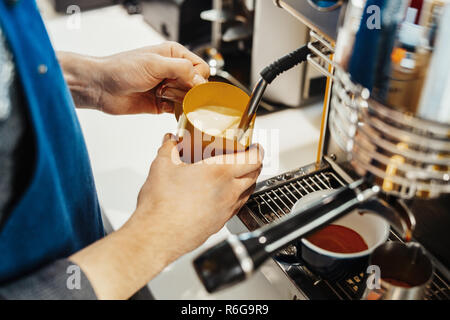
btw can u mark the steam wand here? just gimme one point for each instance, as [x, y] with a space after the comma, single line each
[267, 76]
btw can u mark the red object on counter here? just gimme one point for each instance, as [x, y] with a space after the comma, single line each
[418, 4]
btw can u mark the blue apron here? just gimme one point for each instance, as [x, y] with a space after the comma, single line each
[58, 214]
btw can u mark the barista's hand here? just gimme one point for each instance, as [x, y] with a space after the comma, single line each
[190, 202]
[123, 83]
[179, 207]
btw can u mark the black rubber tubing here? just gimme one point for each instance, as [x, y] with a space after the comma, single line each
[285, 63]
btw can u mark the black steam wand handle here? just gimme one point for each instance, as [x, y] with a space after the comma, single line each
[235, 259]
[285, 63]
[269, 74]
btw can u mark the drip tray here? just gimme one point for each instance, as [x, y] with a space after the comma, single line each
[274, 199]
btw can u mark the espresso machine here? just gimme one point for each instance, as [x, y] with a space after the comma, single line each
[384, 147]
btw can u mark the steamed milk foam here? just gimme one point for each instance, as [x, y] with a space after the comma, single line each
[215, 120]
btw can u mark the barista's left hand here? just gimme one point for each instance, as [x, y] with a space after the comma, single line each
[124, 83]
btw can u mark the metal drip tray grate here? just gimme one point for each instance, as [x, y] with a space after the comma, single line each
[273, 202]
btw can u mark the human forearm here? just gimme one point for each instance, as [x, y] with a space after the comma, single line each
[179, 206]
[124, 83]
[126, 260]
[84, 76]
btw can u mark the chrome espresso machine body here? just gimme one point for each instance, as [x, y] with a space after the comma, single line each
[384, 148]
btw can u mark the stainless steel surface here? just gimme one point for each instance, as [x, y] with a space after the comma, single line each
[408, 264]
[231, 21]
[272, 25]
[409, 156]
[237, 33]
[252, 106]
[274, 199]
[324, 22]
[366, 135]
[216, 28]
[217, 15]
[320, 57]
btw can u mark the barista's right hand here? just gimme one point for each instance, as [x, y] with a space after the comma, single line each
[190, 202]
[179, 207]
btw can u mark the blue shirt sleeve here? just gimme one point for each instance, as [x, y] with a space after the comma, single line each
[60, 280]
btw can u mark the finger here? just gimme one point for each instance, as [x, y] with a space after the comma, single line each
[168, 137]
[169, 150]
[202, 70]
[199, 80]
[200, 66]
[244, 198]
[167, 107]
[248, 180]
[247, 193]
[176, 69]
